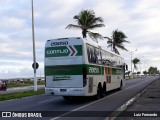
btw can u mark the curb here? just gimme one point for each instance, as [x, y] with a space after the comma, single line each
[119, 110]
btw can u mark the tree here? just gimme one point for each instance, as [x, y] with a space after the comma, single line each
[138, 73]
[153, 70]
[117, 39]
[135, 62]
[28, 81]
[145, 72]
[127, 73]
[86, 21]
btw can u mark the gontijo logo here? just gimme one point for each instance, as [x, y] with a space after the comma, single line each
[57, 51]
[61, 51]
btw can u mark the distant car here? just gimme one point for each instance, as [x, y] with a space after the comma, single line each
[3, 86]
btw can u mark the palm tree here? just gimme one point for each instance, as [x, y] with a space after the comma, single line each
[117, 39]
[135, 62]
[127, 73]
[86, 21]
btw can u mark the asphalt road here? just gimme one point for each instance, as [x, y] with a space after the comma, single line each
[87, 107]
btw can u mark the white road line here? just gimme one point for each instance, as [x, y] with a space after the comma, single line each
[95, 101]
[49, 100]
[125, 105]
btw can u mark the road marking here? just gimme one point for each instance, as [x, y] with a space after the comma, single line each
[96, 101]
[49, 100]
[125, 105]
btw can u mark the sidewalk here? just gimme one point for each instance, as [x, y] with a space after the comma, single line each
[146, 107]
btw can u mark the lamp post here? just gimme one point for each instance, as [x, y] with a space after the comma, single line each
[131, 58]
[34, 54]
[145, 62]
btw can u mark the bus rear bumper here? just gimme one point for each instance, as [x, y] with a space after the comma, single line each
[65, 91]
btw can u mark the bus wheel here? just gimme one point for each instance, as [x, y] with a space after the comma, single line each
[121, 85]
[104, 90]
[99, 93]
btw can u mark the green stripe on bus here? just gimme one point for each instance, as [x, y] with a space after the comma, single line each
[78, 70]
[79, 50]
[94, 70]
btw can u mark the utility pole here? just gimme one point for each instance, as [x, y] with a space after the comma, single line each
[34, 53]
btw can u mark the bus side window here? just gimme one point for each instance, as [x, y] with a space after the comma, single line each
[113, 63]
[92, 55]
[99, 60]
[98, 56]
[95, 59]
[103, 57]
[88, 53]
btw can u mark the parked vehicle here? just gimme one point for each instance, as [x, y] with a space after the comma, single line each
[3, 86]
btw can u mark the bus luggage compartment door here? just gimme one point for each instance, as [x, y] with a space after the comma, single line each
[90, 86]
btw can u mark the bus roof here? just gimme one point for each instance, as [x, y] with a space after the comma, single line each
[64, 38]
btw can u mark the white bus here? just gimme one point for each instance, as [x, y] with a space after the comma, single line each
[77, 67]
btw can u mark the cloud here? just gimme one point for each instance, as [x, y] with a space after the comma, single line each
[139, 20]
[11, 23]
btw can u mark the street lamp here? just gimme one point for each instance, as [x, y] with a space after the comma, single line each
[34, 54]
[131, 58]
[145, 62]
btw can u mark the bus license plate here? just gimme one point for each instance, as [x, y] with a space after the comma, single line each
[63, 90]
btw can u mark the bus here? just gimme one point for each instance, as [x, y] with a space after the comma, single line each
[77, 67]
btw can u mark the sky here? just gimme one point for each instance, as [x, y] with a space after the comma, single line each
[138, 19]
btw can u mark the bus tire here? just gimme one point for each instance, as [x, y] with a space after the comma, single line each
[104, 89]
[121, 85]
[99, 92]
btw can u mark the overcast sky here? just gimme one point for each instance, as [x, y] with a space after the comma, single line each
[138, 19]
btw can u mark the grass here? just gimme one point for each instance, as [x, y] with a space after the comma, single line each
[12, 85]
[31, 83]
[10, 96]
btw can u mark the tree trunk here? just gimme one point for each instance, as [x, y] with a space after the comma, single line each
[114, 46]
[84, 33]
